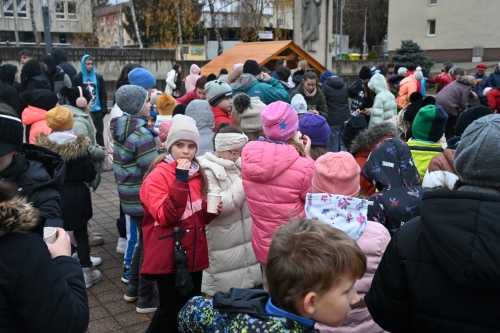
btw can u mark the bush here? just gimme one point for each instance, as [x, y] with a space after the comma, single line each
[411, 53]
[372, 55]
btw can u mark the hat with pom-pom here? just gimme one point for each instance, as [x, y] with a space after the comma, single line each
[165, 104]
[418, 74]
[249, 109]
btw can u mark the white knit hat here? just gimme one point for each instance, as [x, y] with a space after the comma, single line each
[299, 104]
[183, 128]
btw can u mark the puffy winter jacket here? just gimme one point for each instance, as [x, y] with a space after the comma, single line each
[232, 260]
[62, 61]
[276, 180]
[8, 94]
[187, 97]
[494, 99]
[170, 80]
[454, 96]
[318, 100]
[384, 105]
[200, 111]
[372, 239]
[220, 117]
[422, 153]
[269, 92]
[440, 271]
[441, 171]
[194, 75]
[495, 77]
[337, 101]
[37, 293]
[169, 203]
[363, 145]
[391, 168]
[35, 119]
[39, 174]
[83, 125]
[406, 87]
[133, 151]
[479, 88]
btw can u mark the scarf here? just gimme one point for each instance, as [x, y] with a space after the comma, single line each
[93, 90]
[312, 93]
[193, 169]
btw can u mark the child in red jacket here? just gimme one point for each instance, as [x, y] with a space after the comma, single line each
[220, 97]
[174, 195]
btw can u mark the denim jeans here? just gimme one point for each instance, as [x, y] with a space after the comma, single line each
[336, 144]
[145, 286]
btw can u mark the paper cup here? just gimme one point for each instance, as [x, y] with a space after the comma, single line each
[212, 202]
[49, 235]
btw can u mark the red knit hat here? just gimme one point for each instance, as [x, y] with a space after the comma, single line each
[336, 173]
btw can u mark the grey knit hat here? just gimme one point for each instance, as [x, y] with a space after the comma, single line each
[216, 91]
[131, 99]
[476, 159]
[249, 109]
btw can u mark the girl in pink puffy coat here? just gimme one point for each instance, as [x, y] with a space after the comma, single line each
[277, 173]
[335, 187]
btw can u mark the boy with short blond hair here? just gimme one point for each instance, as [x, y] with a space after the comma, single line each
[311, 269]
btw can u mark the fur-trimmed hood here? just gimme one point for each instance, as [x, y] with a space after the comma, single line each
[71, 150]
[17, 217]
[368, 138]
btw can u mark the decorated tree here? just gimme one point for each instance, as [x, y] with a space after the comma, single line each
[411, 53]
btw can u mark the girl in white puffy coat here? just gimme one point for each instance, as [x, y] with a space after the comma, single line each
[232, 259]
[384, 105]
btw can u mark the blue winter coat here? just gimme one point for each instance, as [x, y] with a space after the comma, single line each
[479, 88]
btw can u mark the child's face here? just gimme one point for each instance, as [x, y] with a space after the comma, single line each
[183, 149]
[332, 307]
[151, 122]
[226, 104]
[145, 110]
[231, 155]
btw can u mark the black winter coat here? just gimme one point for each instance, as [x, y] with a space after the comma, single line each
[37, 293]
[337, 101]
[76, 203]
[8, 94]
[440, 271]
[62, 61]
[390, 167]
[37, 82]
[101, 87]
[38, 173]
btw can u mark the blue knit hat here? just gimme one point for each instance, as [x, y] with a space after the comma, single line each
[142, 78]
[316, 128]
[326, 74]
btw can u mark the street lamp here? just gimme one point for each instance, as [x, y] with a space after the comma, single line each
[364, 34]
[46, 25]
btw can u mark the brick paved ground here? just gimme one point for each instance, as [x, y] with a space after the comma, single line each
[108, 310]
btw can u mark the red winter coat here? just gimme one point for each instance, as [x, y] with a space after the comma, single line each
[494, 99]
[221, 117]
[169, 203]
[187, 98]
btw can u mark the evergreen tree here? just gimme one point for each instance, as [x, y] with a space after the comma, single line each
[411, 53]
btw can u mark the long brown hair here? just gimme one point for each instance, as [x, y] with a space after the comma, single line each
[317, 152]
[204, 179]
[298, 146]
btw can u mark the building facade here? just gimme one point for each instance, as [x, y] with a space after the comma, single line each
[67, 19]
[450, 30]
[110, 22]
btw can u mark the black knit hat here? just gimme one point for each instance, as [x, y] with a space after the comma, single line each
[40, 98]
[72, 94]
[179, 109]
[252, 67]
[352, 128]
[365, 73]
[469, 116]
[11, 135]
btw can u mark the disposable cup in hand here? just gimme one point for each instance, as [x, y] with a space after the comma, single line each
[49, 235]
[212, 202]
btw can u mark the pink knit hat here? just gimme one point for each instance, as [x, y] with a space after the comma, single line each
[280, 121]
[163, 130]
[336, 173]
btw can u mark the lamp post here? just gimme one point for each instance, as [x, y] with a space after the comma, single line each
[364, 34]
[46, 25]
[341, 24]
[16, 32]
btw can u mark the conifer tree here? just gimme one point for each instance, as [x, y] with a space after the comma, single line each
[411, 53]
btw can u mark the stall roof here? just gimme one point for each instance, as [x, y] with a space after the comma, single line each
[265, 53]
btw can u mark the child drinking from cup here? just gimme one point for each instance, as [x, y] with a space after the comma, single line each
[174, 196]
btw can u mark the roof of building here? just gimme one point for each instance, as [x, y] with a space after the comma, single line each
[112, 9]
[265, 53]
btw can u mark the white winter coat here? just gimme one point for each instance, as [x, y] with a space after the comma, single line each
[232, 260]
[384, 105]
[171, 78]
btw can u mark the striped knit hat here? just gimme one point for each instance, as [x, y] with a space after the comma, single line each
[429, 123]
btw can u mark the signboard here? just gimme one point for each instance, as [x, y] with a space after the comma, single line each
[265, 35]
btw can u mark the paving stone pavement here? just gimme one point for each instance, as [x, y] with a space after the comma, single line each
[109, 312]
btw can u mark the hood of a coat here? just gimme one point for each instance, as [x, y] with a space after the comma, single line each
[201, 112]
[390, 165]
[31, 69]
[49, 61]
[368, 138]
[463, 80]
[334, 82]
[263, 161]
[76, 112]
[461, 230]
[219, 165]
[378, 83]
[8, 73]
[33, 114]
[241, 300]
[17, 217]
[59, 55]
[122, 127]
[194, 70]
[72, 150]
[84, 68]
[35, 162]
[244, 81]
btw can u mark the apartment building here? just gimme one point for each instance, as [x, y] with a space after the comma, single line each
[110, 26]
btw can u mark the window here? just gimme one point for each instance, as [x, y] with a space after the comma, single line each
[129, 42]
[72, 11]
[8, 8]
[185, 49]
[109, 44]
[60, 13]
[434, 2]
[116, 43]
[102, 20]
[109, 32]
[114, 32]
[431, 27]
[115, 18]
[103, 44]
[108, 21]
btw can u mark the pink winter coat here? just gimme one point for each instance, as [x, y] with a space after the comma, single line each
[276, 180]
[373, 242]
[406, 87]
